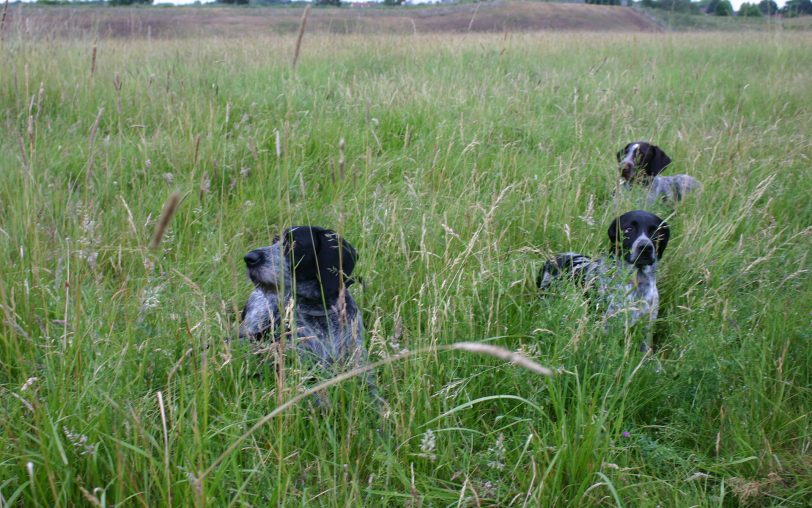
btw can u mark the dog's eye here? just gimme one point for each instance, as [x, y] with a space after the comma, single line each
[627, 231]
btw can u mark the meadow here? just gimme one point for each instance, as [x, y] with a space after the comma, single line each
[455, 164]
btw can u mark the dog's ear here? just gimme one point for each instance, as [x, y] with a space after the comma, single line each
[301, 244]
[661, 237]
[321, 254]
[622, 153]
[612, 233]
[656, 160]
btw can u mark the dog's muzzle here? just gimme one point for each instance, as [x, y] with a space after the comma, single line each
[627, 171]
[643, 254]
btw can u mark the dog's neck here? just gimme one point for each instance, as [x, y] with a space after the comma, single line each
[313, 310]
[307, 299]
[645, 274]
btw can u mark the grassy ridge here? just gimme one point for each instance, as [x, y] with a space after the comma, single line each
[468, 160]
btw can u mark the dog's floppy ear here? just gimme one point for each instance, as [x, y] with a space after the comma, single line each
[661, 237]
[622, 153]
[612, 232]
[656, 160]
[320, 254]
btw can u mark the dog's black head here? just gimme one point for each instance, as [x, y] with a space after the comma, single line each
[641, 156]
[320, 254]
[317, 259]
[639, 237]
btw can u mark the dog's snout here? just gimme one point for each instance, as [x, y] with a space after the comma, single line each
[253, 258]
[647, 250]
[627, 171]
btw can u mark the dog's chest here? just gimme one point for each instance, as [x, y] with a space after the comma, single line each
[329, 336]
[631, 292]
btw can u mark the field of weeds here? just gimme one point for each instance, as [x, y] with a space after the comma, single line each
[466, 161]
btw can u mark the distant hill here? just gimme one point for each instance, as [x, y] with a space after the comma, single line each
[497, 16]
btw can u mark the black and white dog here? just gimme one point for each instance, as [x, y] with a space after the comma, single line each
[641, 162]
[625, 281]
[306, 269]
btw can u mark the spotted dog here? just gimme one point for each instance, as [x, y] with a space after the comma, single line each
[641, 162]
[625, 281]
[307, 270]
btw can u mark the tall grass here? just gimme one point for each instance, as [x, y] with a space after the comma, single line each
[455, 165]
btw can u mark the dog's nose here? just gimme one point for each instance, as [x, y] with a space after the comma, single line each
[647, 250]
[253, 258]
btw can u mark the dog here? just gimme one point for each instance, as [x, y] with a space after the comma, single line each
[642, 162]
[626, 280]
[306, 269]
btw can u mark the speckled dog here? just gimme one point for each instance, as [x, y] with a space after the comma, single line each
[307, 270]
[642, 163]
[625, 281]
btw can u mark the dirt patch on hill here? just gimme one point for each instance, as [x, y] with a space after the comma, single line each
[172, 22]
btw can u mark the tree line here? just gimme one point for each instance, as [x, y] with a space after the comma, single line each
[724, 8]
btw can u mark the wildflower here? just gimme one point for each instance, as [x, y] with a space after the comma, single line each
[626, 434]
[427, 446]
[151, 298]
[498, 452]
[28, 383]
[80, 442]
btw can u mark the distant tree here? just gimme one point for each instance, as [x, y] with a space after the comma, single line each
[648, 3]
[675, 5]
[723, 8]
[233, 2]
[711, 7]
[327, 2]
[797, 8]
[393, 2]
[768, 7]
[749, 10]
[129, 2]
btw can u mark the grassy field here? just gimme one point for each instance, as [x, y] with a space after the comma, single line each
[468, 160]
[222, 21]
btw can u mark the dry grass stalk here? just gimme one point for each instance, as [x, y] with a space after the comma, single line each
[93, 59]
[117, 87]
[23, 154]
[473, 347]
[40, 96]
[473, 16]
[30, 130]
[3, 17]
[90, 143]
[196, 151]
[170, 208]
[302, 25]
[166, 447]
[503, 354]
[341, 158]
[89, 497]
[205, 185]
[92, 138]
